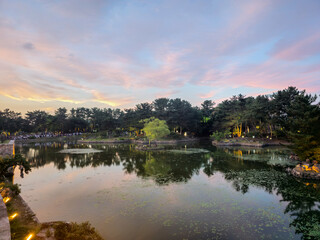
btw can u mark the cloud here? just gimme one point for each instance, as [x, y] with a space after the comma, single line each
[114, 102]
[298, 49]
[207, 95]
[28, 46]
[117, 52]
[166, 94]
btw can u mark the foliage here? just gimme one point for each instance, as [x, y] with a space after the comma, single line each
[17, 160]
[175, 136]
[75, 231]
[15, 188]
[287, 114]
[155, 128]
[218, 136]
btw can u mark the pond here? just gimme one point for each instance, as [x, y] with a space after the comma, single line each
[183, 192]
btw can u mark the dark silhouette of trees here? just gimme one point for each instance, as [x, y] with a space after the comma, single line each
[290, 114]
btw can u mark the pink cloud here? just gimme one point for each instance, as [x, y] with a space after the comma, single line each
[300, 49]
[166, 94]
[207, 95]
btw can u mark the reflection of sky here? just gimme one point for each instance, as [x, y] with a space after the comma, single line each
[118, 53]
[121, 205]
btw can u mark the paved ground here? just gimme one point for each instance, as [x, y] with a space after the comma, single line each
[4, 222]
[5, 149]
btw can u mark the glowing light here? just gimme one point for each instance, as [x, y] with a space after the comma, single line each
[29, 236]
[13, 216]
[313, 168]
[6, 199]
[306, 168]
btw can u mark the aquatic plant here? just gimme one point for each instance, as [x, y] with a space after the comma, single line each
[80, 151]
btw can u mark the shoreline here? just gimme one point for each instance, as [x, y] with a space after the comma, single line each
[139, 142]
[251, 143]
[52, 139]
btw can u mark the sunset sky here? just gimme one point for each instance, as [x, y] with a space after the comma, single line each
[120, 53]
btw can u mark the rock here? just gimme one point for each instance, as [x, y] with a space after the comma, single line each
[316, 168]
[307, 171]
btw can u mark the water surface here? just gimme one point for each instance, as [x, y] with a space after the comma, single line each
[189, 192]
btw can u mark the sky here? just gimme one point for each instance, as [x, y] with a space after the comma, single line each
[93, 53]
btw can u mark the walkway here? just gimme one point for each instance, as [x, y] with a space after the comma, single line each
[4, 222]
[5, 150]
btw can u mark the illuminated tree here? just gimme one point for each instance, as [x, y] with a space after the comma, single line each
[155, 128]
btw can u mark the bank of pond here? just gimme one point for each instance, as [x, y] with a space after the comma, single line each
[190, 191]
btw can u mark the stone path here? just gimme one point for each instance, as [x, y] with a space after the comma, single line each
[5, 150]
[4, 222]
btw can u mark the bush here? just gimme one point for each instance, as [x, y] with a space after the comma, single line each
[15, 188]
[175, 136]
[104, 134]
[256, 134]
[218, 136]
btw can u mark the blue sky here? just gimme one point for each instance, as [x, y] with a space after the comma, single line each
[120, 53]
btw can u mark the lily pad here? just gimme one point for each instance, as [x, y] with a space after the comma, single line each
[80, 150]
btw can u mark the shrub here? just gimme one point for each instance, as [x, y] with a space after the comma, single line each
[218, 136]
[175, 136]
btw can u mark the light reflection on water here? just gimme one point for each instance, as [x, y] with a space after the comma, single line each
[214, 194]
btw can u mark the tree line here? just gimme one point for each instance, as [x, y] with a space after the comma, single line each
[283, 114]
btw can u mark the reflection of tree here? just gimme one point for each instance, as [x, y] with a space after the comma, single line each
[165, 168]
[159, 170]
[303, 201]
[162, 167]
[302, 198]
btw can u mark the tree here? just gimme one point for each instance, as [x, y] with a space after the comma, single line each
[207, 108]
[7, 162]
[161, 108]
[60, 118]
[37, 120]
[155, 128]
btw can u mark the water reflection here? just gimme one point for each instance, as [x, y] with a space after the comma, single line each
[243, 168]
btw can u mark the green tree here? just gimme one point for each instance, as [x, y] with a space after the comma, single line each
[7, 162]
[37, 120]
[155, 128]
[161, 108]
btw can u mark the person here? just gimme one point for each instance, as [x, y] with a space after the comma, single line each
[21, 171]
